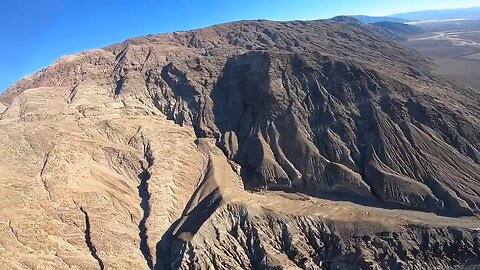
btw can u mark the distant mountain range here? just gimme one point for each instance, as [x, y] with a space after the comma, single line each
[375, 19]
[473, 12]
[393, 28]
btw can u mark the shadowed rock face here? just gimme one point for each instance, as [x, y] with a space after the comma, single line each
[321, 124]
[327, 124]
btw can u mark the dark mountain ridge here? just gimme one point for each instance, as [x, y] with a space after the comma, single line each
[374, 19]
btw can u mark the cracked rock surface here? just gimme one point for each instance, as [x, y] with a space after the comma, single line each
[248, 145]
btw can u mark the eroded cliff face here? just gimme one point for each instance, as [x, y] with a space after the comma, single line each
[250, 145]
[321, 125]
[271, 240]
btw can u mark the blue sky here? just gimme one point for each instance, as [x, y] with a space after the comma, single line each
[34, 33]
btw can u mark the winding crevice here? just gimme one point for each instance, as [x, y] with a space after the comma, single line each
[13, 231]
[134, 136]
[88, 240]
[72, 94]
[42, 177]
[146, 58]
[61, 259]
[145, 205]
[144, 194]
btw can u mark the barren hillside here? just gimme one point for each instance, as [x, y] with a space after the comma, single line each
[247, 145]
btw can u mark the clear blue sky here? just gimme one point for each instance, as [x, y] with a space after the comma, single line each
[34, 33]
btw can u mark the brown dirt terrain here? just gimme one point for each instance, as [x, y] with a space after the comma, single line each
[454, 48]
[248, 145]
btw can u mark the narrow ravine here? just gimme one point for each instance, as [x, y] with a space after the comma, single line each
[42, 177]
[88, 240]
[145, 205]
[144, 194]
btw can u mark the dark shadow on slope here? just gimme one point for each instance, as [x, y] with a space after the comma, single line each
[245, 102]
[192, 221]
[173, 244]
[169, 250]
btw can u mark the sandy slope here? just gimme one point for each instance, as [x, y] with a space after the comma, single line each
[61, 155]
[90, 154]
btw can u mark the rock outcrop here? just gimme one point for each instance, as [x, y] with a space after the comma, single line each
[248, 145]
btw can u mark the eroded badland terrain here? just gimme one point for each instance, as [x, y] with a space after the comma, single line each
[248, 145]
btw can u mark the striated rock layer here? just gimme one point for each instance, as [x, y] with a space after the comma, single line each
[248, 145]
